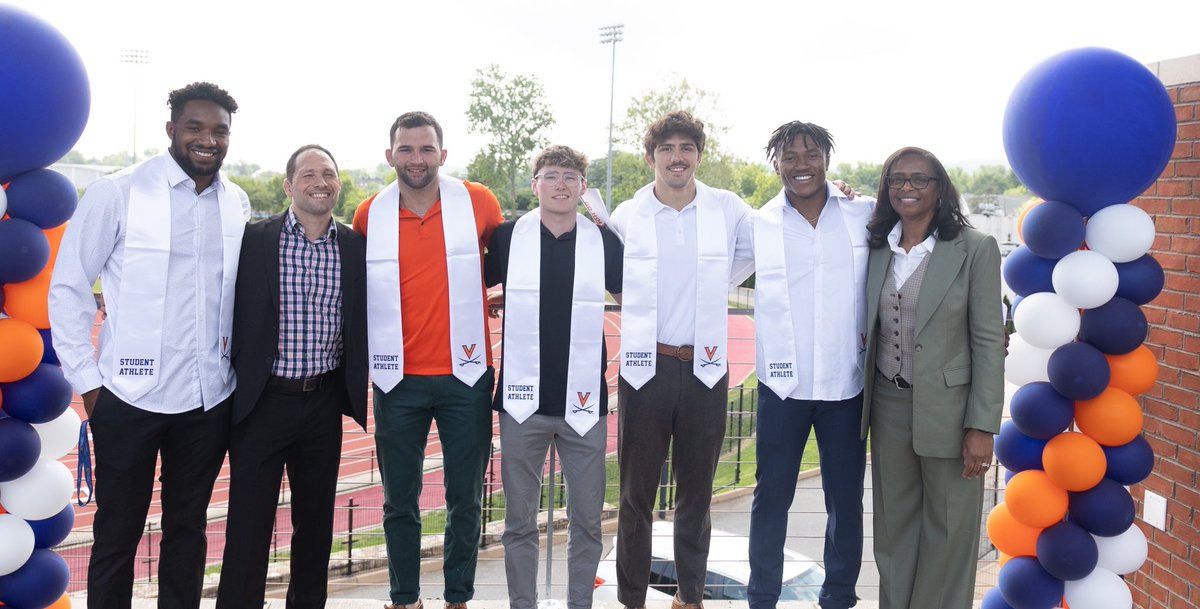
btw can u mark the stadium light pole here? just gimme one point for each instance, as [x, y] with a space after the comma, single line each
[611, 34]
[137, 57]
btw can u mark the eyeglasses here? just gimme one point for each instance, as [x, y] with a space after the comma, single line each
[919, 181]
[553, 179]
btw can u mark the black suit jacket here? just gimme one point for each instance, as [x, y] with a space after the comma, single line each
[256, 317]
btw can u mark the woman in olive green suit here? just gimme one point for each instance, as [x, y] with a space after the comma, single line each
[935, 343]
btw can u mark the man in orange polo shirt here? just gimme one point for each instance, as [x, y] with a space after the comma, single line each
[429, 350]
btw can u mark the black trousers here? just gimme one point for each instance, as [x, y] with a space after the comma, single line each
[128, 442]
[301, 431]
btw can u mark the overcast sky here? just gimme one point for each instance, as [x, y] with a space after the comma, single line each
[878, 75]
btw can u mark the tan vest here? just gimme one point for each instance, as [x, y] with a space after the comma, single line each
[897, 316]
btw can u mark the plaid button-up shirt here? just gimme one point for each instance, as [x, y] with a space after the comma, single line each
[310, 302]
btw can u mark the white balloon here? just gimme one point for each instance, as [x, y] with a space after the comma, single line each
[3, 203]
[59, 436]
[1101, 589]
[1120, 232]
[39, 494]
[18, 543]
[1085, 279]
[1124, 553]
[1025, 363]
[1046, 320]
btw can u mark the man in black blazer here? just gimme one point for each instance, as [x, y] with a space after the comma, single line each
[300, 353]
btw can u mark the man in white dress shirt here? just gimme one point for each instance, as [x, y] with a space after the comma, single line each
[164, 238]
[810, 247]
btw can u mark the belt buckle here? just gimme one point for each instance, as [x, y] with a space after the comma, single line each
[686, 353]
[311, 383]
[897, 380]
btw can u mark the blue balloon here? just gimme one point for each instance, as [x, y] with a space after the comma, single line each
[1026, 585]
[1053, 229]
[20, 446]
[994, 600]
[1027, 273]
[1115, 327]
[1039, 411]
[53, 530]
[1129, 464]
[1066, 551]
[1090, 127]
[1017, 451]
[40, 582]
[1078, 371]
[1106, 509]
[24, 249]
[42, 196]
[39, 397]
[46, 96]
[49, 356]
[1141, 280]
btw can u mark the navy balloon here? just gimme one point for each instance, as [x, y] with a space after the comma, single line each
[994, 600]
[49, 356]
[20, 446]
[46, 97]
[1105, 509]
[40, 582]
[1141, 280]
[39, 397]
[1078, 371]
[1115, 327]
[1026, 585]
[1039, 411]
[1130, 463]
[1027, 273]
[1017, 451]
[53, 530]
[1066, 551]
[42, 196]
[24, 249]
[1090, 127]
[1053, 229]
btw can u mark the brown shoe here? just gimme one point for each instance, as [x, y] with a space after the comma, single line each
[416, 605]
[678, 604]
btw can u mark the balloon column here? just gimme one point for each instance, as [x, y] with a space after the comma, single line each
[1086, 130]
[42, 113]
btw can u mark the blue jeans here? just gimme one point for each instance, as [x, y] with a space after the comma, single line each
[783, 428]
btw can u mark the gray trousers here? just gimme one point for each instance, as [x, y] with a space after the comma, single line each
[676, 410]
[523, 448]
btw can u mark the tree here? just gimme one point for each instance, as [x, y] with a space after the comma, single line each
[676, 94]
[513, 112]
[630, 172]
[863, 177]
[483, 169]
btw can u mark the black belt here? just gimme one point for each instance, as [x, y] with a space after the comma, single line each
[898, 381]
[311, 383]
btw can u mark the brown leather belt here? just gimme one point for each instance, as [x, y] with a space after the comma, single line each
[683, 353]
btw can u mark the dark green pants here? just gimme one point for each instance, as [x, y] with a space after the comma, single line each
[464, 422]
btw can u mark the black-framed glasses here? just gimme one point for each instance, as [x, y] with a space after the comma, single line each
[918, 181]
[553, 178]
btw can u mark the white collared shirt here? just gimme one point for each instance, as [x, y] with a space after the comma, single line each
[94, 245]
[677, 255]
[905, 263]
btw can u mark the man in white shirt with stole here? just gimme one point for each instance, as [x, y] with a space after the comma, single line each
[164, 237]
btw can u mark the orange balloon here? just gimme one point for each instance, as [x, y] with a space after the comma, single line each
[27, 300]
[1112, 418]
[1004, 558]
[1009, 535]
[1074, 461]
[22, 349]
[1134, 372]
[1034, 500]
[1030, 204]
[64, 602]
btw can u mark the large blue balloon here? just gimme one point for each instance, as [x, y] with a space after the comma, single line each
[20, 446]
[1078, 371]
[1090, 127]
[49, 355]
[1115, 327]
[38, 583]
[39, 397]
[1026, 585]
[53, 530]
[42, 196]
[994, 600]
[1130, 463]
[1017, 451]
[1105, 509]
[1027, 273]
[1052, 229]
[46, 97]
[24, 249]
[1140, 281]
[1066, 551]
[1039, 411]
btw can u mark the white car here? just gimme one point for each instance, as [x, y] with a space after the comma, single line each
[728, 569]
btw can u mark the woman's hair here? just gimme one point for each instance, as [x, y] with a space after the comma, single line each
[948, 218]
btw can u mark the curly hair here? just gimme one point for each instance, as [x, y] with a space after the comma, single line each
[679, 122]
[787, 133]
[948, 219]
[199, 91]
[561, 156]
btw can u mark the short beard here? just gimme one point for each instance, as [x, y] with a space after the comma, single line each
[190, 168]
[430, 176]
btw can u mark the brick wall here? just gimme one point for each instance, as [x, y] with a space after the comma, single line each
[1170, 578]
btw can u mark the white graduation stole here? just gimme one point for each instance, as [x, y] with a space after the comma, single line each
[522, 319]
[639, 316]
[385, 328]
[137, 341]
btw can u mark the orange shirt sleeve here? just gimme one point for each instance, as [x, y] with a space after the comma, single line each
[360, 216]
